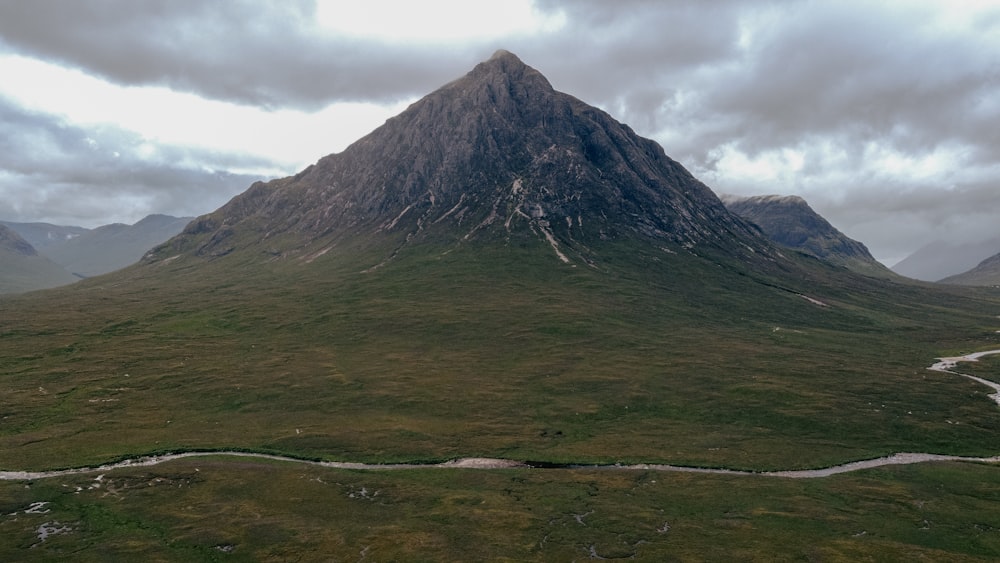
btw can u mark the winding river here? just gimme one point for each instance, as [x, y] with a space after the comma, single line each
[945, 365]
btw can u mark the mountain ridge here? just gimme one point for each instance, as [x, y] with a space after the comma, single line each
[791, 222]
[85, 252]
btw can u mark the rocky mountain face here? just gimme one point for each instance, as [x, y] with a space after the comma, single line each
[986, 272]
[791, 222]
[939, 259]
[23, 269]
[496, 154]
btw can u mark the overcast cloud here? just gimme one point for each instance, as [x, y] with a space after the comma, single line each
[67, 175]
[883, 115]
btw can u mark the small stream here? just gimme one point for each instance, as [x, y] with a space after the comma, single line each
[946, 365]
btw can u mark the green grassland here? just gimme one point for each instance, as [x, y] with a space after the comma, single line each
[499, 350]
[215, 509]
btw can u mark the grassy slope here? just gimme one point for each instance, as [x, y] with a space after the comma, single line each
[499, 351]
[440, 354]
[20, 273]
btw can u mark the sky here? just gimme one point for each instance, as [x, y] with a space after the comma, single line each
[884, 116]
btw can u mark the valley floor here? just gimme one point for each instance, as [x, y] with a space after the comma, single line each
[944, 365]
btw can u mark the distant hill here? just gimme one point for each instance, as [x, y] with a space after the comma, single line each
[23, 269]
[986, 272]
[91, 252]
[44, 235]
[789, 221]
[939, 260]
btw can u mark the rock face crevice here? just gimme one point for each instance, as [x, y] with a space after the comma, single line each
[497, 152]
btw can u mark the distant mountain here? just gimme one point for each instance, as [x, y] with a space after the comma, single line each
[986, 272]
[939, 260]
[23, 269]
[44, 235]
[495, 155]
[90, 252]
[791, 222]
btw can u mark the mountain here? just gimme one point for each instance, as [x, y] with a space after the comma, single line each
[986, 272]
[496, 154]
[115, 246]
[791, 222]
[939, 260]
[21, 267]
[90, 252]
[43, 235]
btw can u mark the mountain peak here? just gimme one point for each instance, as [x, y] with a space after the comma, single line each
[497, 154]
[506, 62]
[790, 221]
[503, 54]
[502, 73]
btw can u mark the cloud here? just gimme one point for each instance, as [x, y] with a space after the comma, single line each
[57, 172]
[270, 54]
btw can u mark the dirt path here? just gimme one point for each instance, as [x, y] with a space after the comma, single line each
[944, 365]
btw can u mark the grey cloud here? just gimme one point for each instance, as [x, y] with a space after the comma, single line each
[56, 172]
[260, 53]
[632, 56]
[917, 216]
[768, 75]
[877, 73]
